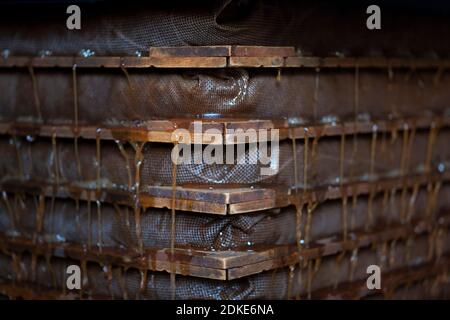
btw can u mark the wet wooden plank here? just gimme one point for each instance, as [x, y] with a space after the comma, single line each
[311, 62]
[185, 205]
[225, 195]
[203, 200]
[365, 62]
[336, 62]
[221, 201]
[15, 62]
[135, 62]
[251, 57]
[151, 131]
[183, 262]
[416, 63]
[188, 62]
[43, 62]
[262, 51]
[252, 206]
[191, 51]
[256, 62]
[96, 62]
[231, 131]
[253, 124]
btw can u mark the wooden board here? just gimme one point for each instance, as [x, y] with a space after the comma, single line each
[256, 62]
[220, 200]
[164, 131]
[230, 130]
[188, 62]
[203, 200]
[221, 57]
[262, 51]
[187, 51]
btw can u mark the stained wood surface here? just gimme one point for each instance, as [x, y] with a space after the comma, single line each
[220, 200]
[221, 57]
[186, 51]
[230, 131]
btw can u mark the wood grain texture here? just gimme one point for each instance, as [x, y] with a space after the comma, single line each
[187, 51]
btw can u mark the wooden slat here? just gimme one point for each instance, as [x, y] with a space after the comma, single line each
[188, 62]
[135, 62]
[224, 200]
[252, 206]
[225, 195]
[256, 62]
[42, 62]
[365, 62]
[152, 131]
[338, 129]
[230, 130]
[15, 62]
[302, 62]
[184, 262]
[203, 200]
[262, 51]
[95, 62]
[187, 51]
[250, 57]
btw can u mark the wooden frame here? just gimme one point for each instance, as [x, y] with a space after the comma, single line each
[221, 200]
[162, 130]
[352, 290]
[222, 265]
[221, 57]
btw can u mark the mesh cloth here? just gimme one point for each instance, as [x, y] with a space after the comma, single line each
[40, 159]
[305, 96]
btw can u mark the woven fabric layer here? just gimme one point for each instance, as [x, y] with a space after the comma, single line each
[365, 157]
[305, 96]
